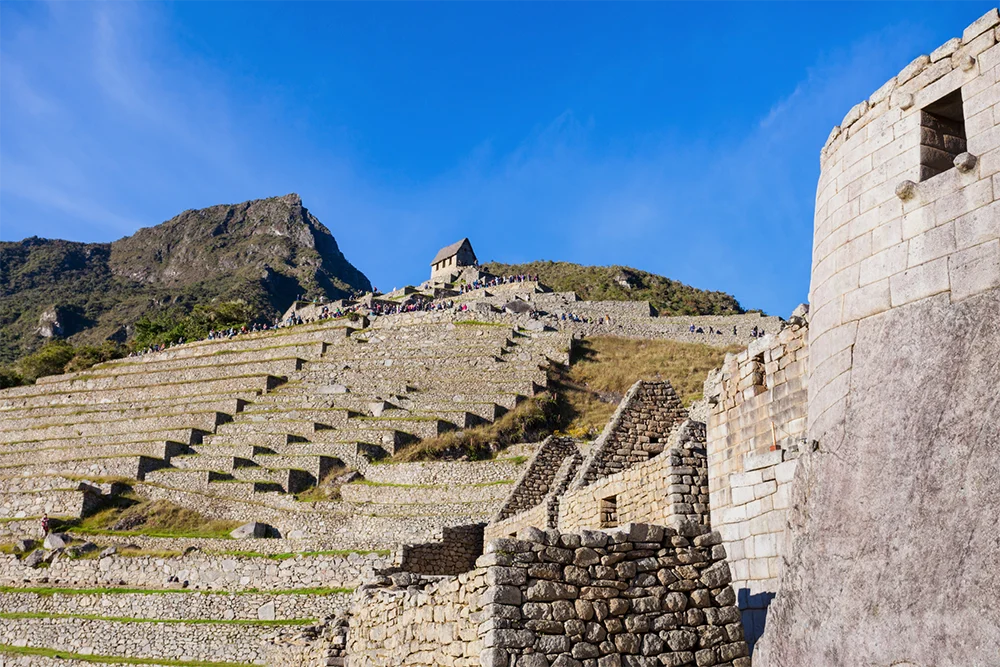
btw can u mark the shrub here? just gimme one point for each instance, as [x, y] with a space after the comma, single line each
[51, 359]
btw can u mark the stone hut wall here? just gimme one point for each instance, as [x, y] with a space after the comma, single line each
[638, 430]
[455, 552]
[546, 513]
[411, 620]
[635, 595]
[537, 479]
[756, 425]
[903, 375]
[669, 489]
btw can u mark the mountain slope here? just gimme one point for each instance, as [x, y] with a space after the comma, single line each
[623, 283]
[264, 252]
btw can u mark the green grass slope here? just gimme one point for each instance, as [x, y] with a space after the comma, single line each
[622, 283]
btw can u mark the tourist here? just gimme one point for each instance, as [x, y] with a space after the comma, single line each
[45, 524]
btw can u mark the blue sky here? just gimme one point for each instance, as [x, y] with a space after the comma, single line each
[681, 139]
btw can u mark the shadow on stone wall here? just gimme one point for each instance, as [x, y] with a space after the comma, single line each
[753, 610]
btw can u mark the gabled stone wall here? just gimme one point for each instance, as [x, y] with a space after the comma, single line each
[638, 430]
[670, 489]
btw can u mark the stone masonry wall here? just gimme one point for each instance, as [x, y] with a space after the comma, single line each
[411, 620]
[638, 430]
[638, 595]
[455, 552]
[669, 489]
[202, 571]
[537, 479]
[756, 425]
[634, 596]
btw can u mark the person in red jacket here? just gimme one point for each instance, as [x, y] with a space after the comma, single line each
[45, 525]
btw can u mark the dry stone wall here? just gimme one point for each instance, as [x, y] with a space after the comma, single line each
[538, 478]
[202, 571]
[635, 596]
[670, 489]
[893, 556]
[639, 595]
[638, 430]
[179, 605]
[454, 552]
[756, 428]
[412, 620]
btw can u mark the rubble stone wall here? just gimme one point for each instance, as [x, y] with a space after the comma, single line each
[202, 571]
[669, 489]
[638, 430]
[419, 621]
[455, 552]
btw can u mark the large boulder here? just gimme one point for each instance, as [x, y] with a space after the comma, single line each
[55, 541]
[35, 558]
[250, 530]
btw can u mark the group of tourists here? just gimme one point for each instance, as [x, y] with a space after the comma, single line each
[756, 332]
[493, 282]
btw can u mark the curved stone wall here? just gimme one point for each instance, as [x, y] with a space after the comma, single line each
[893, 555]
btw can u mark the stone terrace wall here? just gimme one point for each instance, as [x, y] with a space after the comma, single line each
[749, 478]
[411, 620]
[638, 595]
[669, 489]
[455, 552]
[638, 430]
[202, 571]
[893, 557]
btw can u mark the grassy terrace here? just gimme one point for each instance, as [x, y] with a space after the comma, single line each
[170, 621]
[110, 660]
[366, 482]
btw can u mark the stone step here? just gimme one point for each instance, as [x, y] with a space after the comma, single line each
[256, 439]
[304, 335]
[135, 467]
[490, 496]
[208, 642]
[83, 418]
[317, 466]
[228, 357]
[228, 405]
[276, 424]
[443, 472]
[262, 412]
[181, 435]
[178, 604]
[66, 501]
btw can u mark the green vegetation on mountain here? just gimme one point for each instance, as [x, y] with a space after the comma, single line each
[215, 267]
[622, 283]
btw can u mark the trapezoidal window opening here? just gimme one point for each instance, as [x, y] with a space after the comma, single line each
[609, 512]
[942, 135]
